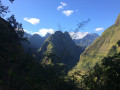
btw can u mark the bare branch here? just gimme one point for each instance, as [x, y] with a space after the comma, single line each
[80, 26]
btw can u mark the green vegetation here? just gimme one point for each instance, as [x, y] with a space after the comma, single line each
[105, 76]
[4, 9]
[59, 48]
[18, 28]
[105, 45]
[48, 68]
[19, 71]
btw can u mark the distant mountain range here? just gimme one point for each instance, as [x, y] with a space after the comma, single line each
[83, 39]
[86, 40]
[36, 40]
[80, 39]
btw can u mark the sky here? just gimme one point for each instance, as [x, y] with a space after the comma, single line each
[42, 16]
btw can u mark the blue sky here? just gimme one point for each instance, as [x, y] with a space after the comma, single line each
[45, 15]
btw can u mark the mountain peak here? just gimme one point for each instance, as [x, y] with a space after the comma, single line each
[67, 34]
[36, 36]
[58, 33]
[62, 47]
[117, 22]
[48, 34]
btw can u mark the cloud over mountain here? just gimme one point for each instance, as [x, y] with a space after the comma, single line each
[44, 31]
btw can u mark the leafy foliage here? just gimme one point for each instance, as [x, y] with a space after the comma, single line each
[3, 9]
[18, 27]
[105, 76]
[118, 43]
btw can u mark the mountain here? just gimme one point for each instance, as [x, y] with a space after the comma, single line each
[36, 40]
[26, 34]
[87, 40]
[19, 71]
[60, 48]
[117, 22]
[105, 45]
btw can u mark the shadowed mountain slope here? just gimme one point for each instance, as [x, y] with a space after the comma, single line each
[61, 49]
[36, 40]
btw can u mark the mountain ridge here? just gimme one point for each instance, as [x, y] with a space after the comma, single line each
[61, 46]
[87, 40]
[100, 48]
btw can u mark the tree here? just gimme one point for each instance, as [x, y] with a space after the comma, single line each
[18, 27]
[105, 75]
[80, 26]
[4, 9]
[118, 43]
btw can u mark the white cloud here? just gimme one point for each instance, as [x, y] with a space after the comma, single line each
[59, 7]
[63, 4]
[78, 35]
[44, 31]
[68, 12]
[33, 21]
[99, 29]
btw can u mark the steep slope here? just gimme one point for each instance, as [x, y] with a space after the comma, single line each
[105, 45]
[19, 71]
[26, 34]
[117, 22]
[87, 40]
[36, 41]
[59, 48]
